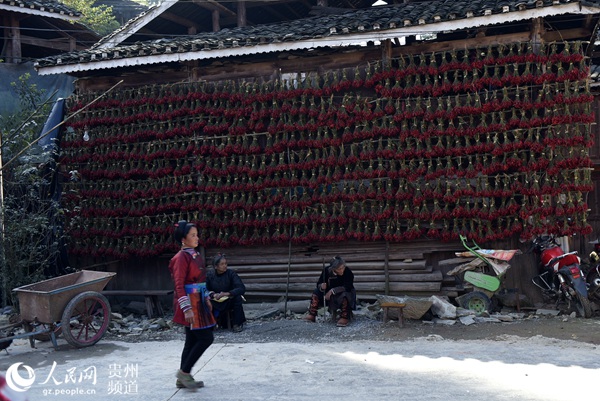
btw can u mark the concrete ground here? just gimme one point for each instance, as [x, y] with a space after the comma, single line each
[426, 368]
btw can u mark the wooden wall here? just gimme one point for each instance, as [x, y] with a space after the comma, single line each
[379, 268]
[593, 197]
[270, 273]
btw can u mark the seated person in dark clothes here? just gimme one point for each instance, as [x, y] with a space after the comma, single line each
[226, 289]
[336, 288]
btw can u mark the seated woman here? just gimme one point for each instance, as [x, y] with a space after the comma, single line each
[336, 287]
[226, 288]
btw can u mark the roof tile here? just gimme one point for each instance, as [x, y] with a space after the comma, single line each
[50, 6]
[351, 22]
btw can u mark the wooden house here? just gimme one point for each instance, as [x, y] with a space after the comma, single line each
[32, 30]
[292, 131]
[36, 29]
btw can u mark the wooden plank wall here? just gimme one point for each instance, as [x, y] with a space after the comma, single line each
[379, 268]
[593, 197]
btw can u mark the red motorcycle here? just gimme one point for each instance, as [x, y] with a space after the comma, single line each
[561, 278]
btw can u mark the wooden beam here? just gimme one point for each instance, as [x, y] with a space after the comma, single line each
[349, 5]
[589, 21]
[63, 44]
[575, 33]
[277, 14]
[314, 273]
[179, 20]
[147, 31]
[377, 287]
[254, 4]
[213, 5]
[549, 36]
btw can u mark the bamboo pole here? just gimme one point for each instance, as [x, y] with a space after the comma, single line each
[386, 268]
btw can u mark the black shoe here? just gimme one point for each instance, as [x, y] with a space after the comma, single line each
[237, 329]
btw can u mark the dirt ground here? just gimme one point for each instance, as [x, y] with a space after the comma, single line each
[276, 359]
[288, 359]
[294, 329]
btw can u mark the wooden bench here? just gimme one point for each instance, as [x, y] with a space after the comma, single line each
[400, 306]
[153, 306]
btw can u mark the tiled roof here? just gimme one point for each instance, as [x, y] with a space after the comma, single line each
[270, 12]
[329, 30]
[48, 6]
[129, 25]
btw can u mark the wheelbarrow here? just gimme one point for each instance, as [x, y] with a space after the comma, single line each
[71, 304]
[484, 284]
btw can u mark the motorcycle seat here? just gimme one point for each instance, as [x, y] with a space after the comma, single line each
[573, 259]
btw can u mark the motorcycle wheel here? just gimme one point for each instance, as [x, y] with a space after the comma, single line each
[583, 306]
[476, 301]
[593, 281]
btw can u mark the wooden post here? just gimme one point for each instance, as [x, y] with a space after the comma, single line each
[216, 25]
[386, 52]
[15, 40]
[386, 268]
[241, 14]
[537, 30]
[287, 282]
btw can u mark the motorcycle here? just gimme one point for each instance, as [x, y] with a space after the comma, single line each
[561, 278]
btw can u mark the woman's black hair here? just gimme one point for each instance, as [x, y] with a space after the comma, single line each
[218, 257]
[182, 228]
[336, 262]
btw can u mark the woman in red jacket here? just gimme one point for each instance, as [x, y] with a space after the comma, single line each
[191, 302]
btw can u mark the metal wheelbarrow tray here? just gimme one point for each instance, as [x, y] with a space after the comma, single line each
[71, 304]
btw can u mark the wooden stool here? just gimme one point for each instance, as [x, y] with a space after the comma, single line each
[400, 306]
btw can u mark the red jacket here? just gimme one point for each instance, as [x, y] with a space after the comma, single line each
[187, 267]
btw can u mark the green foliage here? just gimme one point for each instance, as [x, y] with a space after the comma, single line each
[27, 251]
[22, 127]
[99, 18]
[29, 242]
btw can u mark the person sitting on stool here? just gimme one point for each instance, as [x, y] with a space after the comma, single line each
[226, 288]
[336, 288]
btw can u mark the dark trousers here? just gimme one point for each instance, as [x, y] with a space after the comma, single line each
[342, 301]
[196, 342]
[234, 305]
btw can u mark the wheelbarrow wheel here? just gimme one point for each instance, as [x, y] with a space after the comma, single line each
[476, 301]
[85, 319]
